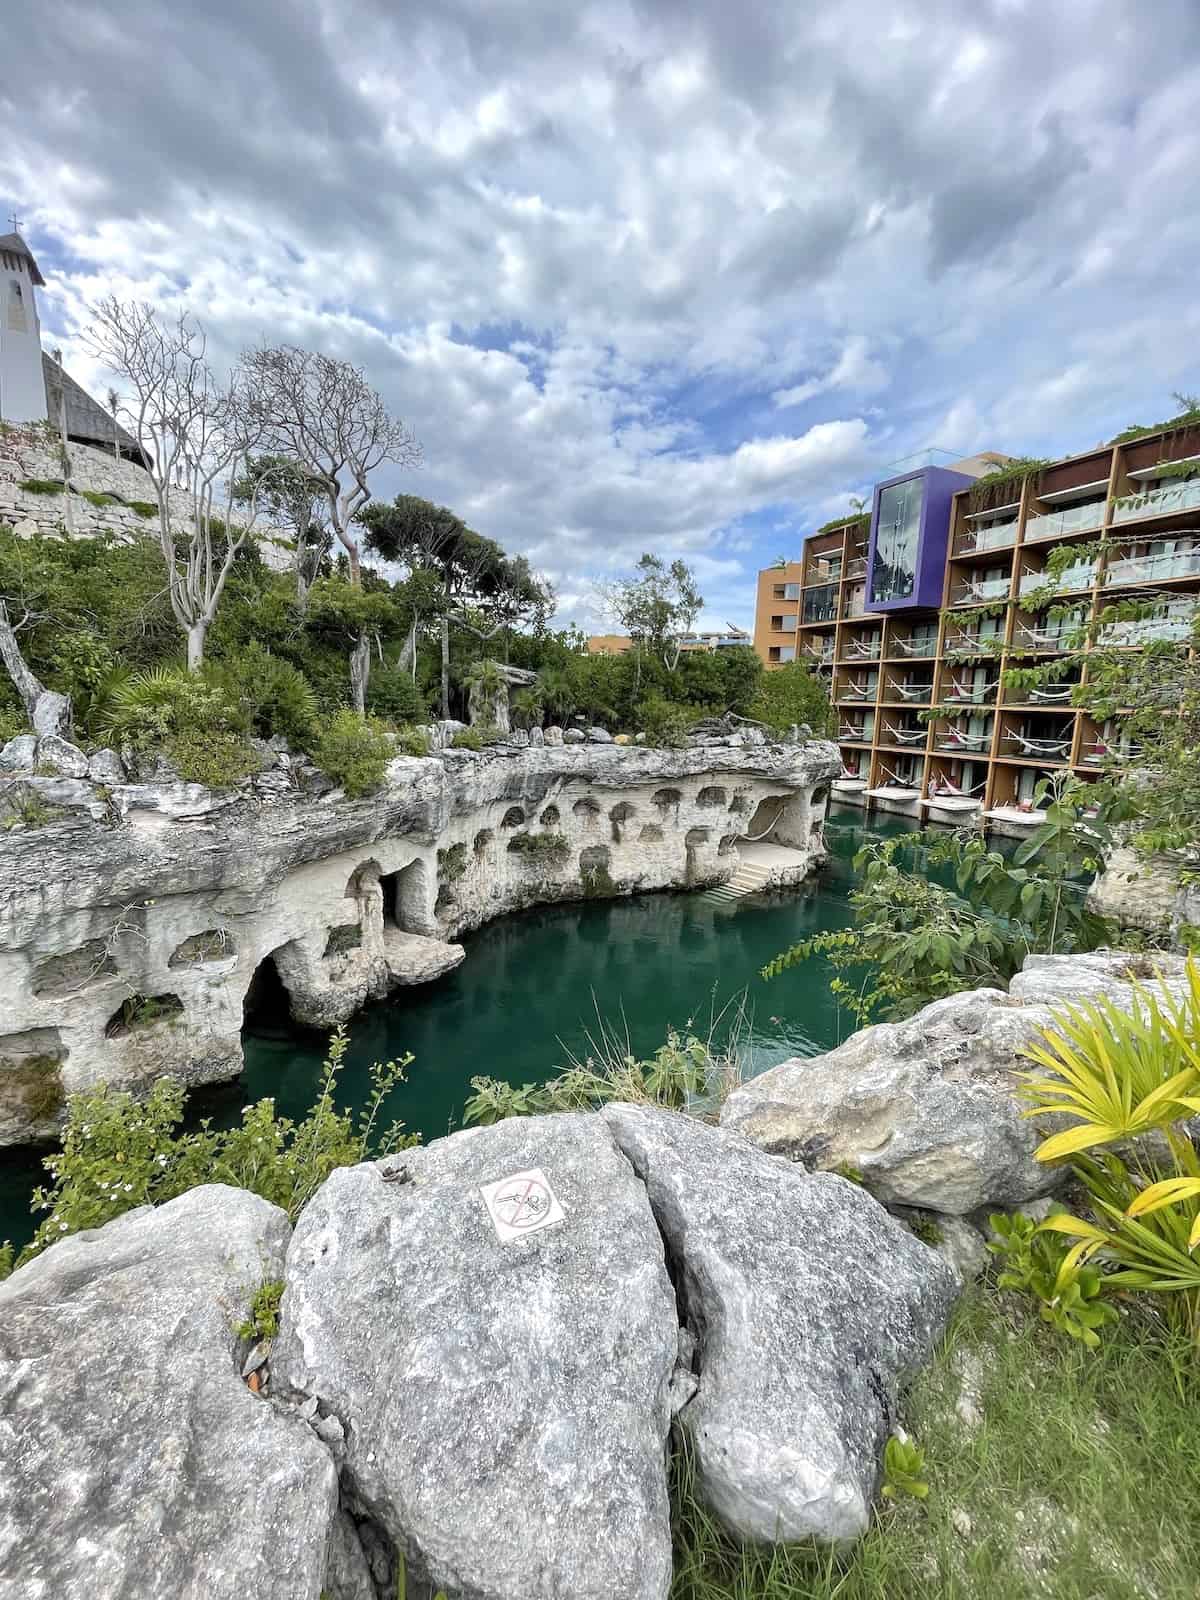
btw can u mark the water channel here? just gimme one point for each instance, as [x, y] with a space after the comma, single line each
[529, 993]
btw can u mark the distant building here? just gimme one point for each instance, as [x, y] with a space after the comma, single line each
[616, 644]
[33, 387]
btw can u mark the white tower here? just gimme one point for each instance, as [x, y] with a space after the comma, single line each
[22, 382]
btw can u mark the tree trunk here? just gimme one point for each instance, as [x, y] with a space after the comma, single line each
[302, 588]
[195, 645]
[47, 711]
[355, 572]
[360, 671]
[445, 666]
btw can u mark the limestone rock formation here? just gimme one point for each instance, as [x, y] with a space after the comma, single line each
[810, 1306]
[504, 1402]
[928, 1109]
[192, 895]
[133, 1459]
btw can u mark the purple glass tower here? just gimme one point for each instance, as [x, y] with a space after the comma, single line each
[910, 530]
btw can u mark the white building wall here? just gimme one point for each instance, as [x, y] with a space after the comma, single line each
[22, 385]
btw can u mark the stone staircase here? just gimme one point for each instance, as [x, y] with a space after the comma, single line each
[749, 878]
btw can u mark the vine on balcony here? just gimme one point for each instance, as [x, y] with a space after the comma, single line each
[991, 488]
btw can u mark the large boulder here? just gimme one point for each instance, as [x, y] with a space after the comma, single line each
[928, 1110]
[19, 754]
[135, 1459]
[810, 1306]
[505, 1402]
[63, 758]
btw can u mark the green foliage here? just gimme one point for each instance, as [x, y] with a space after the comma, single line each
[193, 718]
[217, 760]
[274, 692]
[8, 1260]
[99, 499]
[914, 940]
[550, 848]
[477, 738]
[26, 810]
[143, 508]
[452, 862]
[903, 1470]
[1187, 416]
[680, 1072]
[527, 706]
[1129, 1079]
[1004, 481]
[860, 521]
[413, 741]
[393, 696]
[665, 725]
[354, 751]
[263, 1321]
[1036, 1263]
[46, 486]
[118, 1152]
[791, 695]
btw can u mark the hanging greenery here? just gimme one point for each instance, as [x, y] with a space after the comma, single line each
[1188, 416]
[858, 521]
[1005, 482]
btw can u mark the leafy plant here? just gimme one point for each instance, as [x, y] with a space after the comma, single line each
[791, 695]
[393, 696]
[1069, 1295]
[413, 741]
[119, 1152]
[904, 1470]
[664, 724]
[354, 751]
[263, 1321]
[546, 847]
[1130, 1079]
[477, 738]
[43, 486]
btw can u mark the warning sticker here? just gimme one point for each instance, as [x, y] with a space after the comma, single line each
[524, 1203]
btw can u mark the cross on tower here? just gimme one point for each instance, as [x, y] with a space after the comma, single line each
[14, 222]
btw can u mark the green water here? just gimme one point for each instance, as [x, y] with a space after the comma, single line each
[529, 993]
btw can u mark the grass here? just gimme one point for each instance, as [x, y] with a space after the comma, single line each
[1054, 1475]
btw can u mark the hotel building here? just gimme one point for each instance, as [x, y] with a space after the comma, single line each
[917, 606]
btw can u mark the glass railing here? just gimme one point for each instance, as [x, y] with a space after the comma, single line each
[1154, 569]
[1172, 626]
[854, 691]
[1071, 519]
[981, 589]
[864, 649]
[1080, 577]
[953, 740]
[1182, 495]
[997, 537]
[857, 568]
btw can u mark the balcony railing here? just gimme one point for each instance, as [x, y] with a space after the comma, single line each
[1149, 630]
[865, 649]
[1100, 751]
[970, 694]
[998, 537]
[912, 736]
[976, 590]
[1154, 569]
[1071, 519]
[1025, 638]
[918, 647]
[856, 567]
[852, 734]
[1080, 576]
[1181, 495]
[856, 691]
[918, 693]
[972, 644]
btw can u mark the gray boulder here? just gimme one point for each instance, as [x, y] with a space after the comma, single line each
[928, 1109]
[573, 736]
[106, 767]
[537, 738]
[136, 1461]
[505, 1405]
[552, 735]
[810, 1306]
[67, 760]
[598, 736]
[51, 714]
[19, 754]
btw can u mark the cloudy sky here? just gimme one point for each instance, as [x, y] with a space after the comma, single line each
[677, 275]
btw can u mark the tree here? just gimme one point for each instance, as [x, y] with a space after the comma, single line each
[48, 712]
[482, 589]
[657, 607]
[295, 501]
[324, 415]
[194, 430]
[790, 695]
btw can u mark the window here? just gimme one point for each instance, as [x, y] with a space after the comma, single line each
[894, 573]
[785, 623]
[16, 307]
[780, 591]
[787, 652]
[773, 653]
[791, 591]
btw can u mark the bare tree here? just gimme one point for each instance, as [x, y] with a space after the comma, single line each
[328, 419]
[295, 501]
[114, 405]
[48, 712]
[194, 431]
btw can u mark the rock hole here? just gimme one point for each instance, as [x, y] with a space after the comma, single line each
[142, 1011]
[712, 796]
[59, 976]
[664, 799]
[512, 818]
[550, 817]
[214, 944]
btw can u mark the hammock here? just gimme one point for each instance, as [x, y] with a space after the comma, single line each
[858, 648]
[1056, 695]
[855, 691]
[947, 789]
[915, 647]
[914, 691]
[1041, 747]
[957, 692]
[906, 735]
[1101, 751]
[901, 783]
[954, 739]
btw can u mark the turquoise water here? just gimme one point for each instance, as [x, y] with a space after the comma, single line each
[531, 987]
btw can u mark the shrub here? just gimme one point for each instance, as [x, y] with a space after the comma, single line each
[143, 508]
[546, 847]
[278, 697]
[664, 724]
[46, 486]
[1130, 1079]
[118, 1152]
[354, 751]
[263, 1321]
[98, 498]
[790, 695]
[413, 741]
[392, 695]
[476, 738]
[452, 862]
[217, 760]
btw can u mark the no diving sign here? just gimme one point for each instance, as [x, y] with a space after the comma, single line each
[522, 1204]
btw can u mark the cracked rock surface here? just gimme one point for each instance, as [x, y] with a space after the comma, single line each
[810, 1306]
[133, 1459]
[505, 1404]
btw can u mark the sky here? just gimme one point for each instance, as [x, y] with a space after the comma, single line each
[654, 275]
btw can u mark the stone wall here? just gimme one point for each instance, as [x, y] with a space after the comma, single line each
[1151, 894]
[127, 950]
[34, 455]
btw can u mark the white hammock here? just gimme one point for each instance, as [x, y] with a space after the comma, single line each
[914, 691]
[957, 692]
[954, 740]
[1054, 695]
[947, 789]
[1041, 747]
[907, 735]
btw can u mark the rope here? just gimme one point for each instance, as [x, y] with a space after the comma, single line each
[752, 838]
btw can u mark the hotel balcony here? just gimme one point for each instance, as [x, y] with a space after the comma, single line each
[973, 644]
[856, 567]
[855, 692]
[1071, 519]
[975, 591]
[1021, 744]
[971, 694]
[909, 691]
[1153, 569]
[979, 541]
[905, 735]
[1173, 627]
[867, 649]
[1181, 494]
[821, 655]
[1069, 581]
[957, 741]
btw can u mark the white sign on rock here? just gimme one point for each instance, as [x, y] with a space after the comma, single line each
[522, 1204]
